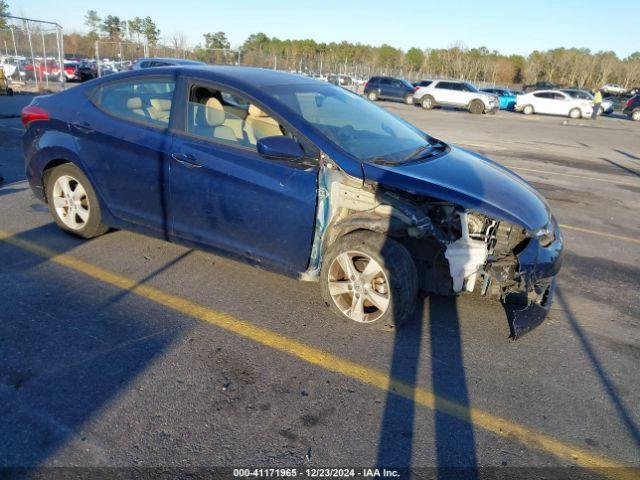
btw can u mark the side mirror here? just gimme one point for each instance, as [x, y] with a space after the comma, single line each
[279, 148]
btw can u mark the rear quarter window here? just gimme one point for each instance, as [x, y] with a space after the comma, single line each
[141, 100]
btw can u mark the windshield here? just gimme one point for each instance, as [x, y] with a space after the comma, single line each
[369, 133]
[470, 88]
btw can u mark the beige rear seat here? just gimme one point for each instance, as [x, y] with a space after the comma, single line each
[160, 109]
[134, 105]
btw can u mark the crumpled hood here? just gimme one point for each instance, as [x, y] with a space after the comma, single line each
[470, 180]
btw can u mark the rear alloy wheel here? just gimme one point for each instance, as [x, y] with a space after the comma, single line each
[408, 99]
[476, 107]
[575, 113]
[73, 202]
[528, 109]
[370, 279]
[427, 102]
[635, 115]
[372, 95]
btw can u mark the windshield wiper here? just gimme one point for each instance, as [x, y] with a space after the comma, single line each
[418, 152]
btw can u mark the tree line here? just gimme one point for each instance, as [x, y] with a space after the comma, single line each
[566, 66]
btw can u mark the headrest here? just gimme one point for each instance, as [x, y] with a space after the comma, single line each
[134, 102]
[214, 112]
[256, 112]
[161, 104]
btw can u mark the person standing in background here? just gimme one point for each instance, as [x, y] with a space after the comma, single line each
[597, 101]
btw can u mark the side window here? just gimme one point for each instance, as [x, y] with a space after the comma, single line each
[541, 95]
[560, 96]
[218, 115]
[144, 64]
[141, 99]
[385, 81]
[442, 85]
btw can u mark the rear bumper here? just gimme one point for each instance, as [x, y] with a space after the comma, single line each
[538, 267]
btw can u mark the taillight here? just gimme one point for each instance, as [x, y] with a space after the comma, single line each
[31, 113]
[415, 89]
[366, 84]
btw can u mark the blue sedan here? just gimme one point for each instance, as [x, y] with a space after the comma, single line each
[507, 97]
[294, 175]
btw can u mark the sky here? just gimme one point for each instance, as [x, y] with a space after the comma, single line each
[507, 26]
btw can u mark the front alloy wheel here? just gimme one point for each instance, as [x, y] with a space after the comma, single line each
[635, 116]
[370, 279]
[358, 286]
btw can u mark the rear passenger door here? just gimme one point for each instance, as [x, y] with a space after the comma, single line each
[123, 145]
[227, 197]
[443, 93]
[385, 87]
[544, 102]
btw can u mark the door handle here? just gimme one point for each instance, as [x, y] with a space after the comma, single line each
[186, 159]
[83, 127]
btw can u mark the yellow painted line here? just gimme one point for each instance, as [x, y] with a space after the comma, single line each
[601, 234]
[572, 175]
[330, 362]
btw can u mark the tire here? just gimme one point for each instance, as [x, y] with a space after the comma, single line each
[372, 95]
[408, 99]
[392, 281]
[528, 110]
[428, 102]
[635, 115]
[73, 202]
[575, 113]
[476, 107]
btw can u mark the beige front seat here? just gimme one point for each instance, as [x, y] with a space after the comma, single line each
[258, 125]
[134, 105]
[215, 117]
[160, 109]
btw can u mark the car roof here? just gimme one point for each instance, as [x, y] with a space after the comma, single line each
[239, 75]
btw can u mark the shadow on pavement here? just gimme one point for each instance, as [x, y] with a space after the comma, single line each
[454, 438]
[606, 382]
[65, 354]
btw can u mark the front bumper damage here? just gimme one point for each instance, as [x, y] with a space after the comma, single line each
[538, 267]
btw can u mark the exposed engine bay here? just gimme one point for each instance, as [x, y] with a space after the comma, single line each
[455, 249]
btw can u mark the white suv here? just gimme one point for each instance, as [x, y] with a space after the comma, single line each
[456, 94]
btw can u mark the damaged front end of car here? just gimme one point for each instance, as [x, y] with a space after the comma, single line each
[460, 242]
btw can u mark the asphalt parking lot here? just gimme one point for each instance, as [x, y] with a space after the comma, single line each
[129, 351]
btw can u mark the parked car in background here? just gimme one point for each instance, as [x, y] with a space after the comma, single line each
[457, 94]
[79, 71]
[297, 176]
[553, 102]
[606, 107]
[162, 62]
[614, 89]
[506, 97]
[632, 108]
[389, 88]
[539, 86]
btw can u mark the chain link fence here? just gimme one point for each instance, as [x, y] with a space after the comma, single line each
[31, 54]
